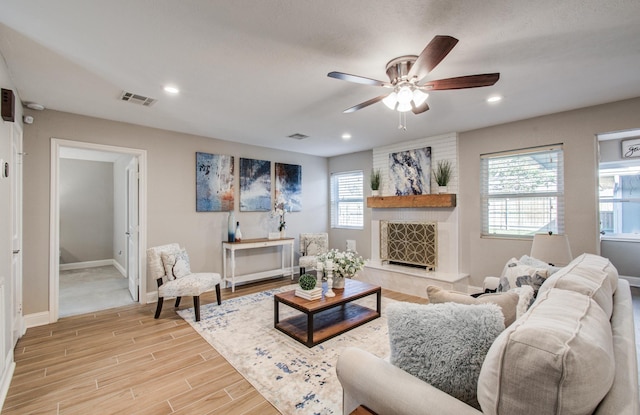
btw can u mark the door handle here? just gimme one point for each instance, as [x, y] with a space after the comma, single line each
[16, 251]
[127, 233]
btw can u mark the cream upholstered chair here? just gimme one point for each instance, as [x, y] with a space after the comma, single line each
[312, 245]
[169, 265]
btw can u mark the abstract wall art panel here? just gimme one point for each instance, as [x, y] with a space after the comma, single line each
[289, 185]
[410, 172]
[255, 185]
[214, 183]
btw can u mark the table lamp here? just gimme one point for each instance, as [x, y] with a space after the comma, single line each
[551, 248]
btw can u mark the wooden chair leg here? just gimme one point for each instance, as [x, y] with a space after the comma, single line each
[178, 301]
[159, 307]
[196, 306]
[218, 294]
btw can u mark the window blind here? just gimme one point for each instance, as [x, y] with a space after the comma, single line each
[347, 200]
[522, 192]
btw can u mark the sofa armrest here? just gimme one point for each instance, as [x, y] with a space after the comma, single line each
[385, 389]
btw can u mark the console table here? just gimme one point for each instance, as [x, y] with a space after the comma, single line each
[232, 247]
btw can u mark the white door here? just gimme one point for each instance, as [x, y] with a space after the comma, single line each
[17, 329]
[132, 228]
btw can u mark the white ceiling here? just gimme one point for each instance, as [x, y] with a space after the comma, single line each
[255, 71]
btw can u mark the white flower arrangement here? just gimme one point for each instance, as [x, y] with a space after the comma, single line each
[279, 209]
[345, 263]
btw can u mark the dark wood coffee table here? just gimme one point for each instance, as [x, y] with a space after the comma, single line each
[327, 317]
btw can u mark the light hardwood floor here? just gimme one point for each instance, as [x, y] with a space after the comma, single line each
[123, 361]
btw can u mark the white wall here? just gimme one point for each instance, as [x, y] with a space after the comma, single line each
[577, 131]
[7, 306]
[338, 237]
[171, 215]
[86, 210]
[443, 147]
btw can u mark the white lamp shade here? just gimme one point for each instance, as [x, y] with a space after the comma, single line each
[419, 97]
[390, 101]
[551, 248]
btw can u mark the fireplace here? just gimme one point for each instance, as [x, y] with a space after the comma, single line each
[409, 243]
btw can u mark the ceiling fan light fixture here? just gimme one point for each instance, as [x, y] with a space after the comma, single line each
[391, 100]
[405, 95]
[404, 106]
[419, 97]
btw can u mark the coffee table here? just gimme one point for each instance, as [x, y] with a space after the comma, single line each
[326, 317]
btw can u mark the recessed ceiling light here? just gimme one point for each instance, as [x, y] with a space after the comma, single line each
[346, 136]
[171, 89]
[35, 106]
[495, 98]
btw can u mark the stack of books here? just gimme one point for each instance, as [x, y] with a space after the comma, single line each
[314, 294]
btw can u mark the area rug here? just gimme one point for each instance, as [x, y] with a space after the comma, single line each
[294, 378]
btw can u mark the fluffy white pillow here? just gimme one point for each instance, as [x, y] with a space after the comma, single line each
[444, 344]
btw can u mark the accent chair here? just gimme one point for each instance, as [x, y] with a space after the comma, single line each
[169, 265]
[312, 245]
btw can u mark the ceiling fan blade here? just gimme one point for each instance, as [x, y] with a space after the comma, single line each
[365, 104]
[420, 109]
[461, 82]
[357, 79]
[432, 55]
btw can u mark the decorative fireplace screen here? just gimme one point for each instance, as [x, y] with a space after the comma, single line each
[410, 243]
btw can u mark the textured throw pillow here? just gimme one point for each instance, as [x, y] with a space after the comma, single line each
[182, 267]
[176, 264]
[444, 344]
[507, 302]
[168, 261]
[516, 274]
[537, 263]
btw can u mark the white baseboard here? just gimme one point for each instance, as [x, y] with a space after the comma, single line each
[7, 375]
[152, 297]
[633, 281]
[86, 264]
[120, 268]
[36, 319]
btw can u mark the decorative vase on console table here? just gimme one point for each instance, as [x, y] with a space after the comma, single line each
[232, 227]
[338, 281]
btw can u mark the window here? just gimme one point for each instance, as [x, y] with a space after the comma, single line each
[522, 192]
[347, 200]
[620, 202]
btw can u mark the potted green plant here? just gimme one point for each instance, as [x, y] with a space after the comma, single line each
[375, 182]
[442, 175]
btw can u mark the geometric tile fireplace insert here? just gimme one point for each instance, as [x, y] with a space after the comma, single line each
[409, 243]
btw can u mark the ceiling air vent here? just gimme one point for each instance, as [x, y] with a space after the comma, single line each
[298, 136]
[137, 99]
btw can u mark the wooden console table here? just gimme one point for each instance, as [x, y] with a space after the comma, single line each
[232, 247]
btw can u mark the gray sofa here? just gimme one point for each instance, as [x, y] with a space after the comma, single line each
[572, 352]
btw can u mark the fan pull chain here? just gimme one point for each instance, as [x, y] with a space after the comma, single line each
[402, 123]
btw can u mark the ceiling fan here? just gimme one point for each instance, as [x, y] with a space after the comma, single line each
[406, 73]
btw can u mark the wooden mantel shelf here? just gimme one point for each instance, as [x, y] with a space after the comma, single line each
[445, 200]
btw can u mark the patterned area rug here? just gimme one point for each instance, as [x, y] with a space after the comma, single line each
[294, 378]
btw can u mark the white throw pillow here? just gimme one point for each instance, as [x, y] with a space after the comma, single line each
[515, 274]
[444, 344]
[176, 264]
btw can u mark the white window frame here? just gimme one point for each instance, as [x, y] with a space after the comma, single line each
[343, 216]
[616, 200]
[495, 223]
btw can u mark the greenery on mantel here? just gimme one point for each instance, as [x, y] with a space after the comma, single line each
[442, 173]
[375, 179]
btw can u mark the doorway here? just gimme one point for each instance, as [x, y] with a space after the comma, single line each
[619, 207]
[106, 269]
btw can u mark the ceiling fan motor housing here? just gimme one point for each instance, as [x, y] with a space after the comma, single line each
[398, 68]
